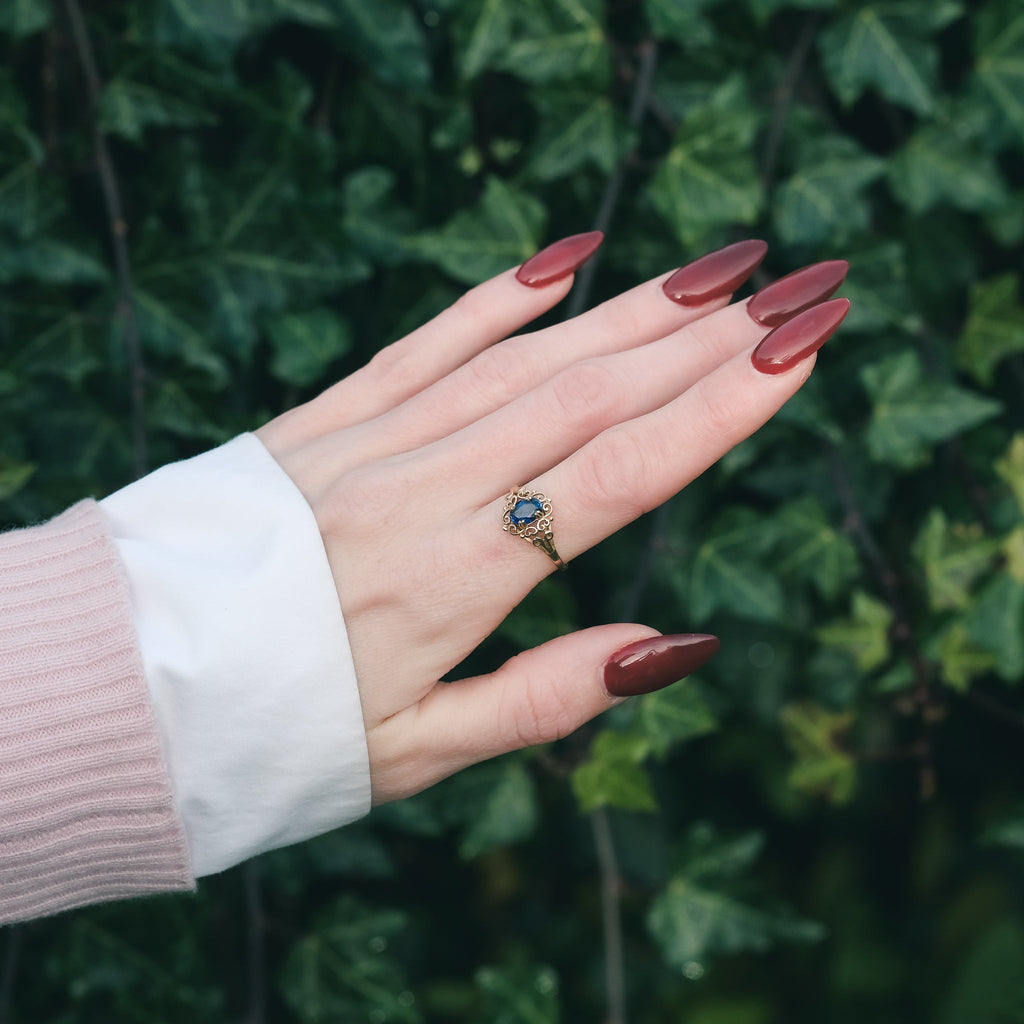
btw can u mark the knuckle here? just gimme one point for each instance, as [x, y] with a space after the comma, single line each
[615, 472]
[719, 418]
[497, 375]
[586, 393]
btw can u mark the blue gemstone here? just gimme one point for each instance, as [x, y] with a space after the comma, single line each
[526, 510]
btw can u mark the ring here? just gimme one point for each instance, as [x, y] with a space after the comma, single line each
[528, 515]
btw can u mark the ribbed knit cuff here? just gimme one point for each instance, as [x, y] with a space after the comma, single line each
[86, 809]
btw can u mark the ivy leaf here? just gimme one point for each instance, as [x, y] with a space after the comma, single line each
[613, 774]
[812, 549]
[502, 230]
[386, 37]
[960, 661]
[683, 23]
[484, 29]
[944, 161]
[953, 558]
[987, 986]
[557, 40]
[885, 46]
[13, 476]
[823, 767]
[994, 328]
[730, 571]
[47, 259]
[708, 177]
[494, 803]
[999, 66]
[824, 195]
[576, 130]
[1008, 832]
[129, 108]
[21, 18]
[700, 914]
[342, 970]
[675, 715]
[911, 412]
[1010, 468]
[518, 995]
[306, 343]
[864, 634]
[995, 623]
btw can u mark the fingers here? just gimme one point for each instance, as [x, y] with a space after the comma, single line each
[478, 319]
[537, 697]
[637, 464]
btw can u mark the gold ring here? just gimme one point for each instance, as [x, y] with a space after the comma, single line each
[528, 515]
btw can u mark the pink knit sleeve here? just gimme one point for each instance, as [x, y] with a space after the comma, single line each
[86, 810]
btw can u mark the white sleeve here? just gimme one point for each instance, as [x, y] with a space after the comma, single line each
[245, 651]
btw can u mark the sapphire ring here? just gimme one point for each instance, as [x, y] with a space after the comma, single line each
[528, 515]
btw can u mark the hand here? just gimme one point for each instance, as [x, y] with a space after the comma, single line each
[407, 462]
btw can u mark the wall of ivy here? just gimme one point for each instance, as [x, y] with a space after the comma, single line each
[211, 208]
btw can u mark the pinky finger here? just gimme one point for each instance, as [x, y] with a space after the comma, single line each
[537, 697]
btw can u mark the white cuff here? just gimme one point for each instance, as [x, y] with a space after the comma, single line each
[246, 653]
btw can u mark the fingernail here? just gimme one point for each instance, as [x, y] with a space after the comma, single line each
[657, 662]
[798, 338]
[783, 299]
[559, 259]
[718, 273]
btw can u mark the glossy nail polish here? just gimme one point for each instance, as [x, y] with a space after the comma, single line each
[657, 662]
[559, 259]
[718, 273]
[796, 339]
[783, 299]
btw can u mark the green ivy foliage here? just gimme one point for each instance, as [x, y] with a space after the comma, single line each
[250, 197]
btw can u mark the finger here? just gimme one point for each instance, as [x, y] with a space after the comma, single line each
[636, 465]
[538, 697]
[478, 319]
[552, 421]
[500, 374]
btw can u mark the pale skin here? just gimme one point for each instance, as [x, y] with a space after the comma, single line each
[406, 464]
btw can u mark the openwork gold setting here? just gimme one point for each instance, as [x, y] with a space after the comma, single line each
[528, 515]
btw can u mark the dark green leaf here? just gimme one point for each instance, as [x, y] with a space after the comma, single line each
[613, 775]
[994, 327]
[886, 46]
[518, 995]
[502, 230]
[306, 343]
[912, 412]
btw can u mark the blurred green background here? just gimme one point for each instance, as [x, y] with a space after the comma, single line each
[209, 209]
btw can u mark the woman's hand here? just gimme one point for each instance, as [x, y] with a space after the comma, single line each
[407, 464]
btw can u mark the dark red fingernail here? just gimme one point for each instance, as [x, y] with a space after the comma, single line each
[796, 339]
[657, 662]
[783, 299]
[718, 273]
[559, 259]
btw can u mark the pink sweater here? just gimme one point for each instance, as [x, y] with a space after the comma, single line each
[86, 809]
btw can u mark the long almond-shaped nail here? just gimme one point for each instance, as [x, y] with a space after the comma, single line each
[796, 339]
[559, 259]
[783, 299]
[648, 665]
[718, 273]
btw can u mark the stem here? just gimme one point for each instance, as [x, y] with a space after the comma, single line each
[613, 189]
[256, 957]
[611, 886]
[118, 236]
[784, 98]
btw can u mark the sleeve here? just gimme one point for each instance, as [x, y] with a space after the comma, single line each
[245, 653]
[86, 808]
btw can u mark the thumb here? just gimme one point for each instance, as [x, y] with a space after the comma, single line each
[538, 696]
